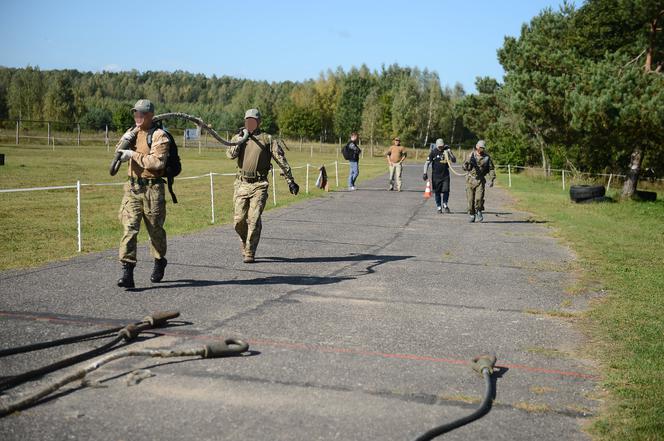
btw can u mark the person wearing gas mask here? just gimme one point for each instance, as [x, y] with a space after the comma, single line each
[254, 160]
[440, 159]
[478, 165]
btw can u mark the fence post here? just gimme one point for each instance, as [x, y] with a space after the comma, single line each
[608, 185]
[212, 196]
[78, 135]
[18, 124]
[48, 133]
[311, 151]
[78, 213]
[509, 175]
[307, 184]
[336, 172]
[274, 188]
[563, 179]
[108, 145]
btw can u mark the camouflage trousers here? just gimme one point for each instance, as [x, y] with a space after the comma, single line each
[395, 175]
[249, 201]
[475, 194]
[147, 203]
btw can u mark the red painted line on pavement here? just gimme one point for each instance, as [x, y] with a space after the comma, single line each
[304, 346]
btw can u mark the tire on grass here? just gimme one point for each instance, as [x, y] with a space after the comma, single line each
[593, 200]
[645, 195]
[580, 192]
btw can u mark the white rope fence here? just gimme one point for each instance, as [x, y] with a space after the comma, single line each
[79, 185]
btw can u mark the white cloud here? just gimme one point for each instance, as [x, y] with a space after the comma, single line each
[111, 68]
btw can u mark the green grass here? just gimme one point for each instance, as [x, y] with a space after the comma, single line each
[40, 226]
[621, 249]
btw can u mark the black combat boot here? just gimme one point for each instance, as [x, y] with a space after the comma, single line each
[127, 278]
[158, 270]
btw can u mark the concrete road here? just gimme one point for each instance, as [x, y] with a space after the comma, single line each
[363, 311]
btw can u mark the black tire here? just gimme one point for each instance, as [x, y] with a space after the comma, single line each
[580, 192]
[593, 200]
[646, 195]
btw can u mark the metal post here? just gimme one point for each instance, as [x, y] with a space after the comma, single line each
[212, 196]
[18, 123]
[78, 212]
[307, 184]
[184, 138]
[563, 179]
[48, 133]
[509, 175]
[336, 172]
[311, 150]
[417, 152]
[274, 188]
[78, 134]
[108, 145]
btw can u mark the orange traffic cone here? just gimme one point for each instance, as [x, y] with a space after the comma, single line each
[427, 190]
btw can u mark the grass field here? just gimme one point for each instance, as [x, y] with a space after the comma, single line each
[621, 250]
[40, 226]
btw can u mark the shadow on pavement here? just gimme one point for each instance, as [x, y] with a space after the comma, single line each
[270, 280]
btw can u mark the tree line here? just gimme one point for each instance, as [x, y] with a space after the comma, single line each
[583, 89]
[380, 104]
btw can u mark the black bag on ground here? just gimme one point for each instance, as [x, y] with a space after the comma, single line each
[173, 163]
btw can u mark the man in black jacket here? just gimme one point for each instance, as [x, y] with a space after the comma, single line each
[440, 158]
[351, 152]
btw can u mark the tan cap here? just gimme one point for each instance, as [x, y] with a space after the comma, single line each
[440, 142]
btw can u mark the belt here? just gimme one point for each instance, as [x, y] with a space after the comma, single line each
[145, 181]
[251, 180]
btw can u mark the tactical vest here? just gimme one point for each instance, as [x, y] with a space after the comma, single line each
[255, 158]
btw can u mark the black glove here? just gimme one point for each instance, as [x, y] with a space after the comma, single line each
[293, 187]
[425, 177]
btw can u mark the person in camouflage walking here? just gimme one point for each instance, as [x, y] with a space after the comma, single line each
[144, 194]
[479, 165]
[254, 160]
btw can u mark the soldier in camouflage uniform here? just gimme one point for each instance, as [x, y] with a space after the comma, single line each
[144, 194]
[254, 160]
[478, 166]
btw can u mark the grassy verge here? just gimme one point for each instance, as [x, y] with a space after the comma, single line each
[621, 247]
[40, 226]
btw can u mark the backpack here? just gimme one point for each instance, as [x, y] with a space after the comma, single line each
[345, 152]
[173, 163]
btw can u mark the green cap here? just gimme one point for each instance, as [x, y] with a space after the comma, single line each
[440, 142]
[144, 106]
[252, 113]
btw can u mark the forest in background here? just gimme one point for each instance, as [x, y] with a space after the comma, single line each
[583, 90]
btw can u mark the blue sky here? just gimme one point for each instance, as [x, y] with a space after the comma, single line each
[263, 40]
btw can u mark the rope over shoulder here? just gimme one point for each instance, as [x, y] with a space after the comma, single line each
[124, 142]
